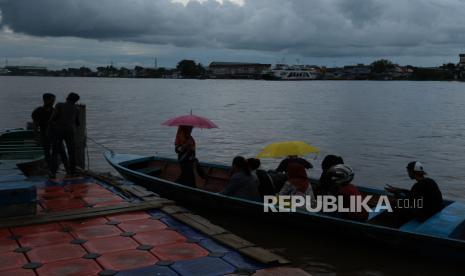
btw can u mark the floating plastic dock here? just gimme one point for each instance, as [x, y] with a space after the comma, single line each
[86, 226]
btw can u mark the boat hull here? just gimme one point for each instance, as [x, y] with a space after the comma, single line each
[18, 145]
[450, 249]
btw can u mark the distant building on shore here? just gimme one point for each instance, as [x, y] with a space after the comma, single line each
[237, 70]
[462, 60]
[460, 72]
[26, 70]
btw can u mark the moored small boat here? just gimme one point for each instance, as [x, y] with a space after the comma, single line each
[441, 235]
[19, 146]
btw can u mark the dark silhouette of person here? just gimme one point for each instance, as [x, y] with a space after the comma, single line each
[425, 189]
[266, 185]
[242, 183]
[324, 185]
[41, 118]
[63, 124]
[185, 148]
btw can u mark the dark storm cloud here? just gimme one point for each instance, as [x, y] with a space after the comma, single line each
[308, 28]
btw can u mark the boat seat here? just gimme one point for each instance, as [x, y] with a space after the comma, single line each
[375, 213]
[442, 224]
[150, 171]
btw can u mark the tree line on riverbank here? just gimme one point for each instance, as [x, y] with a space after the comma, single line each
[378, 70]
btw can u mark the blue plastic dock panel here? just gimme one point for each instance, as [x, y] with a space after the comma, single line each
[151, 270]
[204, 266]
[17, 193]
[213, 246]
[242, 262]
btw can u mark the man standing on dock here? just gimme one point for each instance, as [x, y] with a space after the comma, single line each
[41, 117]
[63, 124]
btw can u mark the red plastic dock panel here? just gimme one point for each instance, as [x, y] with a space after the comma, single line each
[91, 190]
[84, 187]
[179, 251]
[95, 199]
[53, 253]
[96, 232]
[63, 204]
[55, 195]
[35, 229]
[47, 238]
[129, 216]
[4, 233]
[11, 260]
[7, 245]
[77, 224]
[123, 260]
[52, 189]
[142, 225]
[159, 237]
[18, 272]
[111, 244]
[110, 203]
[74, 267]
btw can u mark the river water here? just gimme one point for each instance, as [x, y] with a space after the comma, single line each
[378, 127]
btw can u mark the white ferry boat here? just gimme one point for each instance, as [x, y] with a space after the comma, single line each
[4, 71]
[293, 72]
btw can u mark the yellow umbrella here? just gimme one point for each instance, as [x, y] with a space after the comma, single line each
[283, 149]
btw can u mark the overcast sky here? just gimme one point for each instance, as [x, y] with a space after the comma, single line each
[64, 33]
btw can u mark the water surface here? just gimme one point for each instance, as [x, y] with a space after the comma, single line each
[378, 127]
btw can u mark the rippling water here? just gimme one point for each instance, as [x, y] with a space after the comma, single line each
[378, 127]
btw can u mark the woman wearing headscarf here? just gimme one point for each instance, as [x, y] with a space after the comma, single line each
[185, 148]
[297, 182]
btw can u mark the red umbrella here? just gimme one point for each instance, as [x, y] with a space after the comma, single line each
[190, 120]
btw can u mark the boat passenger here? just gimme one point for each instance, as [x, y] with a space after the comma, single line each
[185, 148]
[425, 189]
[282, 167]
[41, 117]
[341, 177]
[266, 185]
[297, 182]
[63, 124]
[242, 183]
[324, 183]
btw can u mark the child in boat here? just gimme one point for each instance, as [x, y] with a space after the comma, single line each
[242, 183]
[340, 177]
[425, 189]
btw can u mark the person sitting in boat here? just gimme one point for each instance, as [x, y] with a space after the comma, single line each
[242, 183]
[185, 148]
[282, 167]
[324, 183]
[297, 182]
[425, 189]
[265, 182]
[340, 184]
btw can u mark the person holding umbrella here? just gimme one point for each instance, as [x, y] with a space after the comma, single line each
[185, 146]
